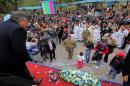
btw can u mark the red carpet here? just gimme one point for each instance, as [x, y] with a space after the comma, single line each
[41, 71]
[105, 83]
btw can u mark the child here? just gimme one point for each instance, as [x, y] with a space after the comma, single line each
[116, 64]
[34, 47]
[80, 61]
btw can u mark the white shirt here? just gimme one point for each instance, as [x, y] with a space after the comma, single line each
[80, 58]
[91, 28]
[50, 45]
[126, 32]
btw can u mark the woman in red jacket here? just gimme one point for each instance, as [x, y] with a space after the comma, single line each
[100, 49]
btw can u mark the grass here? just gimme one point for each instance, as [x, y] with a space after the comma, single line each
[29, 3]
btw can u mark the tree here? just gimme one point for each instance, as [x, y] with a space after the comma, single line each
[30, 3]
[14, 3]
[67, 1]
[2, 5]
[8, 5]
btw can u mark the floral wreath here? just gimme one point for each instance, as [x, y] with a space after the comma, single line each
[53, 76]
[79, 78]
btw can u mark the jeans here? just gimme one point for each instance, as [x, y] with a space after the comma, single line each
[88, 51]
[112, 73]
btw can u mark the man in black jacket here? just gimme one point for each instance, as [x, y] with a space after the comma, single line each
[50, 46]
[13, 53]
[126, 70]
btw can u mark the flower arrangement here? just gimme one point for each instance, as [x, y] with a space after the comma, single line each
[53, 76]
[79, 78]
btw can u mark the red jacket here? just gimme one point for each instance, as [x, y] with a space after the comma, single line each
[102, 51]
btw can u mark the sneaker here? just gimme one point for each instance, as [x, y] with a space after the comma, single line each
[96, 67]
[95, 62]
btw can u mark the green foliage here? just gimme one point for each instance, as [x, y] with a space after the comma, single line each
[67, 1]
[29, 3]
[8, 5]
[11, 5]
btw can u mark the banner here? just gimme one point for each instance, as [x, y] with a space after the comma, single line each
[48, 7]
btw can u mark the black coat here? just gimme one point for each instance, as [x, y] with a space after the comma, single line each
[48, 48]
[126, 66]
[117, 64]
[60, 33]
[13, 53]
[9, 80]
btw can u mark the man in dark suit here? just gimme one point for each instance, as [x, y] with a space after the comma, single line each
[50, 46]
[9, 80]
[60, 33]
[126, 70]
[13, 53]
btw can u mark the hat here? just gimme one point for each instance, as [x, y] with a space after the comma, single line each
[120, 54]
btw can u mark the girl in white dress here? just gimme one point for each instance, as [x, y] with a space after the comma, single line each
[80, 61]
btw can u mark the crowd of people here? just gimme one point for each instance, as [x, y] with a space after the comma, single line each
[101, 30]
